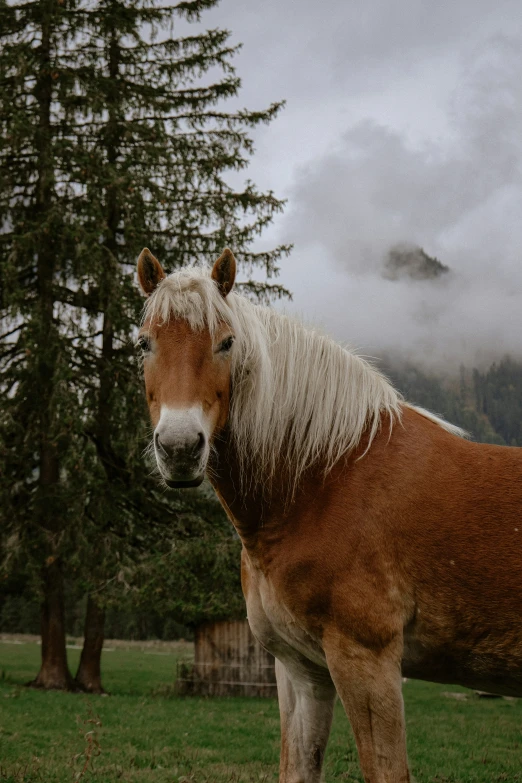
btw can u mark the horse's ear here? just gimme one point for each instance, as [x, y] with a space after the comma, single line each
[224, 271]
[150, 271]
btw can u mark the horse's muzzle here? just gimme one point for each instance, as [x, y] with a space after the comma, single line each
[181, 447]
[183, 467]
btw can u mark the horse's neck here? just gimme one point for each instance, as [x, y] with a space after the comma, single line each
[257, 507]
[248, 502]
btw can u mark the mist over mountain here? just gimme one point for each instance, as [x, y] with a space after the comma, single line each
[458, 197]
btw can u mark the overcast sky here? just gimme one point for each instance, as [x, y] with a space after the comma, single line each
[403, 124]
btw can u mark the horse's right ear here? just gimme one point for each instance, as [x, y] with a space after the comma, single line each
[150, 271]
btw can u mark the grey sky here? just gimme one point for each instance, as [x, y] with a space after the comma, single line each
[403, 123]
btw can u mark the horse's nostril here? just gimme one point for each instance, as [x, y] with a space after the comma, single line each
[201, 440]
[159, 445]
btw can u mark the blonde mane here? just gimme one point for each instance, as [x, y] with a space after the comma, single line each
[298, 398]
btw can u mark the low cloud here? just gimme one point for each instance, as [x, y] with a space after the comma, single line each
[459, 199]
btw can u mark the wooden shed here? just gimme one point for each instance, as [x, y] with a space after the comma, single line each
[228, 661]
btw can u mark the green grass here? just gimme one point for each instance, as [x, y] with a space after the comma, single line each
[141, 735]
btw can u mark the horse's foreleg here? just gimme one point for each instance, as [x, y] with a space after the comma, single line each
[369, 684]
[306, 700]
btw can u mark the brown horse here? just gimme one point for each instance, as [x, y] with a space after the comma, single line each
[377, 541]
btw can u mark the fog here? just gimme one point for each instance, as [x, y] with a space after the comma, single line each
[459, 199]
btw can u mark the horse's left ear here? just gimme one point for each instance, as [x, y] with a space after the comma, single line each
[224, 271]
[150, 271]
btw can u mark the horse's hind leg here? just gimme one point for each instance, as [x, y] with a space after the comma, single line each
[306, 700]
[369, 684]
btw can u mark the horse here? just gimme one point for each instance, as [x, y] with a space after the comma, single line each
[378, 542]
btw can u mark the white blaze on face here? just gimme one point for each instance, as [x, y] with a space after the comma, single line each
[181, 441]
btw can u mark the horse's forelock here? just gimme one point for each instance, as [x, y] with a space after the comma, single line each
[189, 294]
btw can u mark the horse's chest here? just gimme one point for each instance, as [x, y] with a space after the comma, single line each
[274, 624]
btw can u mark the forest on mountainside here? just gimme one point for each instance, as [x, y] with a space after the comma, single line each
[487, 403]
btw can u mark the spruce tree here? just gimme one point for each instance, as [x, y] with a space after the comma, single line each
[139, 147]
[40, 403]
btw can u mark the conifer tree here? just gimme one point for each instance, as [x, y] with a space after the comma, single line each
[138, 147]
[37, 224]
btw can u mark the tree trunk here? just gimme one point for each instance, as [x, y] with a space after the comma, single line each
[88, 676]
[54, 671]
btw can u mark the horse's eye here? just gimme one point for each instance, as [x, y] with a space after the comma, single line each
[226, 345]
[143, 343]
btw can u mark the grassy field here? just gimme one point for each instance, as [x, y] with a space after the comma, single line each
[144, 734]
